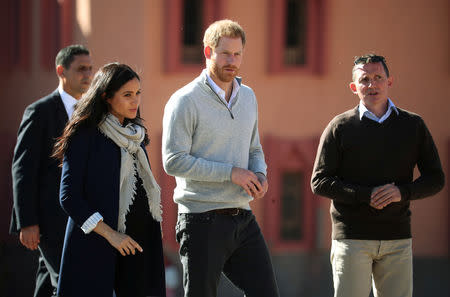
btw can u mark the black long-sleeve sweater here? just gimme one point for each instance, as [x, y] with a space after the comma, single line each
[355, 155]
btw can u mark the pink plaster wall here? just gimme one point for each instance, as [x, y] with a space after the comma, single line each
[413, 35]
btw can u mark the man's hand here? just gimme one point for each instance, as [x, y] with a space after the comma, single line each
[384, 195]
[29, 237]
[265, 185]
[247, 180]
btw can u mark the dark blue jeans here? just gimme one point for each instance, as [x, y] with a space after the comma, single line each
[212, 243]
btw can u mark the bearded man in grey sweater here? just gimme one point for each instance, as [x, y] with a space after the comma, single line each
[211, 145]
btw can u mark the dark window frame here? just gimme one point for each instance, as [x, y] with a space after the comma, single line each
[16, 28]
[173, 62]
[313, 39]
[291, 205]
[55, 33]
[287, 155]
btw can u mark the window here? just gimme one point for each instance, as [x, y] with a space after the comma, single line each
[15, 28]
[186, 22]
[290, 206]
[192, 45]
[56, 29]
[296, 35]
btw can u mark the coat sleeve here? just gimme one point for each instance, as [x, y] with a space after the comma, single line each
[26, 166]
[431, 179]
[73, 178]
[325, 180]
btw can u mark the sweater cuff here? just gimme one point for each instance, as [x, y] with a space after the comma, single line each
[91, 223]
[362, 194]
[228, 170]
[404, 192]
[258, 167]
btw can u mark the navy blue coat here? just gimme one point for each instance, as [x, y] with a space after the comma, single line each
[89, 184]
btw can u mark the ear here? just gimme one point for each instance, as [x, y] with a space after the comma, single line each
[390, 81]
[207, 51]
[353, 87]
[60, 70]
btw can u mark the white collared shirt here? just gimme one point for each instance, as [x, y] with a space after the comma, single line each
[221, 93]
[363, 111]
[68, 100]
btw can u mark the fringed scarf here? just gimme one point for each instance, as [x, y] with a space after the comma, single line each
[133, 158]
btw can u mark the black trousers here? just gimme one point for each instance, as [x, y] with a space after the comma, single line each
[43, 287]
[48, 270]
[212, 243]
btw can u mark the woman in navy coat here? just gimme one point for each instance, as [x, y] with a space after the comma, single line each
[113, 235]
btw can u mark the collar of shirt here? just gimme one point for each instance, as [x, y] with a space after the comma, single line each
[68, 100]
[363, 111]
[220, 92]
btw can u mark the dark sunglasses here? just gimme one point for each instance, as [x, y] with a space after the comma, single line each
[369, 59]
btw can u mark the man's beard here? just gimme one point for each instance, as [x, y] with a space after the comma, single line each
[222, 74]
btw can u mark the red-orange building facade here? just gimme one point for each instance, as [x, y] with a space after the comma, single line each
[297, 59]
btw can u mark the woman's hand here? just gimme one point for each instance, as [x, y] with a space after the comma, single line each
[122, 242]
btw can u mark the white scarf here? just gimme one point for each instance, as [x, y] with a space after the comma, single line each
[129, 139]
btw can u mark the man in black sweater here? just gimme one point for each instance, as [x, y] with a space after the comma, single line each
[365, 163]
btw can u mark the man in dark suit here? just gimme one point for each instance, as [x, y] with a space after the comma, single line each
[37, 215]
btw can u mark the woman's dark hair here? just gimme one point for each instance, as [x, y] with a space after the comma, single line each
[90, 111]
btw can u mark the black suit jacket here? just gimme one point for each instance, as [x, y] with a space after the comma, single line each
[36, 176]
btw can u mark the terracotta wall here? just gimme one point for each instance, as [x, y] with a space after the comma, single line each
[413, 35]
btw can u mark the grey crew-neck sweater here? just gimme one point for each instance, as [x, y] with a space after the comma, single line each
[203, 140]
[355, 155]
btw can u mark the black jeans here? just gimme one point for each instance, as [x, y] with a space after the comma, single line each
[212, 243]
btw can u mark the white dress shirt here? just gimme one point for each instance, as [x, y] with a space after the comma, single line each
[68, 101]
[363, 111]
[221, 93]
